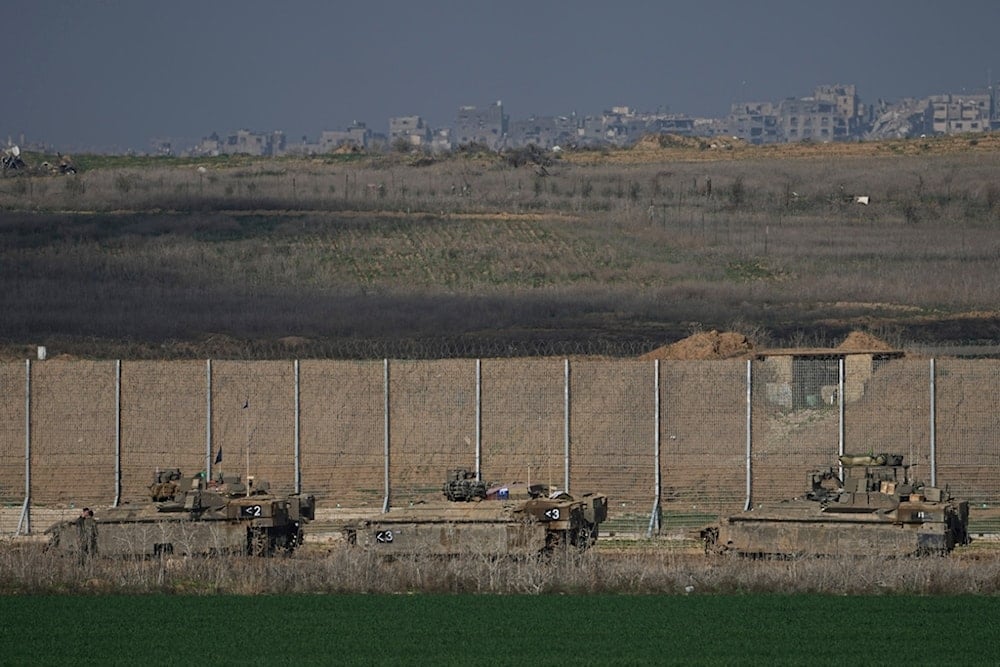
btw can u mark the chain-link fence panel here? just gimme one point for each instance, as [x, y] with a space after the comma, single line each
[887, 409]
[967, 432]
[703, 440]
[253, 421]
[73, 432]
[164, 408]
[342, 432]
[523, 422]
[13, 381]
[795, 425]
[432, 421]
[612, 426]
[432, 417]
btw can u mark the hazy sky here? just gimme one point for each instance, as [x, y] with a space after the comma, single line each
[116, 73]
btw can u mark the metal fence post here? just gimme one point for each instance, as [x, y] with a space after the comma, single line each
[654, 517]
[479, 419]
[841, 404]
[933, 424]
[298, 445]
[566, 437]
[25, 520]
[118, 432]
[208, 419]
[386, 426]
[841, 381]
[749, 431]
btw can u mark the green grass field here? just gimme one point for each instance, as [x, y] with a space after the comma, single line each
[499, 630]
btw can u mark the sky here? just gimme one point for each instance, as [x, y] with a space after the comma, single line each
[114, 74]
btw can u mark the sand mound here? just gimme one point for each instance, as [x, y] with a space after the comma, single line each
[707, 345]
[858, 340]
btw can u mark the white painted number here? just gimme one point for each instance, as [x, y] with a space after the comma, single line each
[252, 510]
[384, 536]
[553, 513]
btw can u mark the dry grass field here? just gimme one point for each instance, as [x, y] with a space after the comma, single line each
[595, 253]
[27, 568]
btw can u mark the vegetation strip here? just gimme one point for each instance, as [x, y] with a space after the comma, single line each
[412, 629]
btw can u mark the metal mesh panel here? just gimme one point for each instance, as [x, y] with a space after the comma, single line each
[73, 432]
[795, 423]
[253, 415]
[523, 421]
[12, 389]
[342, 431]
[887, 409]
[968, 428]
[432, 408]
[795, 427]
[164, 411]
[612, 428]
[703, 440]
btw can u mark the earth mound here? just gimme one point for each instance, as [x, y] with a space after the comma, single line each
[705, 345]
[859, 340]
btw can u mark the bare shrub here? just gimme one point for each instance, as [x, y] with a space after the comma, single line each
[75, 186]
[737, 192]
[29, 569]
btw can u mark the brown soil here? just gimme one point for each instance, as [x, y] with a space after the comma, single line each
[858, 340]
[734, 345]
[706, 345]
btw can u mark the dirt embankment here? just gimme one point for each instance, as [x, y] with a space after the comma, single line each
[733, 345]
[859, 340]
[705, 345]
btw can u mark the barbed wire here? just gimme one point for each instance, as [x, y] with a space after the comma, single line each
[459, 348]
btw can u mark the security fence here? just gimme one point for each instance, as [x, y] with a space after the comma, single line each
[670, 442]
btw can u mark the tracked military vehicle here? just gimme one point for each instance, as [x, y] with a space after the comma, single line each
[476, 519]
[877, 509]
[189, 516]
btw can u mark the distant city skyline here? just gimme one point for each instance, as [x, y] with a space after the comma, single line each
[114, 74]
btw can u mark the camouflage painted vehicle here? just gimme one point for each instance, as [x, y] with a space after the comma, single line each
[501, 520]
[876, 510]
[188, 516]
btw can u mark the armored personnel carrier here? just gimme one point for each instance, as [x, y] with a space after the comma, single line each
[876, 510]
[189, 516]
[501, 520]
